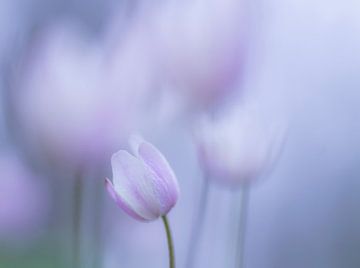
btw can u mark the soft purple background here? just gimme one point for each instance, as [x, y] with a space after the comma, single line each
[304, 62]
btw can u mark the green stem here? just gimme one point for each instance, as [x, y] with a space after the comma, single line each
[240, 248]
[170, 242]
[198, 224]
[78, 185]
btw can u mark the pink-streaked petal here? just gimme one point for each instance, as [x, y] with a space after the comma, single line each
[135, 184]
[120, 202]
[167, 185]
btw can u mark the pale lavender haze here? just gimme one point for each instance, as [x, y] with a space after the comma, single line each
[77, 77]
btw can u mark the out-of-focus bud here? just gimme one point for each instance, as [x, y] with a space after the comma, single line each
[75, 106]
[144, 185]
[201, 46]
[24, 201]
[238, 147]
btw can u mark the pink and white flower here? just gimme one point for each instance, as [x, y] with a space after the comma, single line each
[238, 147]
[201, 47]
[144, 185]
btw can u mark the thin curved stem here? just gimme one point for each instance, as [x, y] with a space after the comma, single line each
[198, 225]
[170, 242]
[240, 247]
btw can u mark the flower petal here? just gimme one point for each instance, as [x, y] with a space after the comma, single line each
[120, 202]
[134, 141]
[135, 184]
[167, 185]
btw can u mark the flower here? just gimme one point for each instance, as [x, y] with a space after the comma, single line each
[238, 147]
[144, 185]
[201, 47]
[76, 102]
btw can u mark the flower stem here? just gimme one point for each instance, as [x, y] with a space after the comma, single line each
[78, 185]
[98, 225]
[198, 225]
[240, 247]
[170, 242]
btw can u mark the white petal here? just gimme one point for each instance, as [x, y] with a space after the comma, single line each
[167, 187]
[135, 184]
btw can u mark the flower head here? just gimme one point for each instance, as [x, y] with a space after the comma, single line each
[77, 100]
[202, 47]
[238, 147]
[144, 185]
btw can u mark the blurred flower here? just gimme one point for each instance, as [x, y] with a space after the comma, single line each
[238, 147]
[75, 102]
[144, 185]
[201, 47]
[23, 200]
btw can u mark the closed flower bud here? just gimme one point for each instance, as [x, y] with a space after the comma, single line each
[238, 147]
[202, 47]
[77, 101]
[144, 185]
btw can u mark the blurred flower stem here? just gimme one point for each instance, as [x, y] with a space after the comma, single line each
[77, 199]
[170, 242]
[198, 225]
[98, 226]
[241, 233]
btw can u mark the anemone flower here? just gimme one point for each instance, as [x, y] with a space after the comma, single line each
[202, 47]
[235, 149]
[144, 185]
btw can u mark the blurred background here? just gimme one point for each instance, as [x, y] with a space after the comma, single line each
[78, 77]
